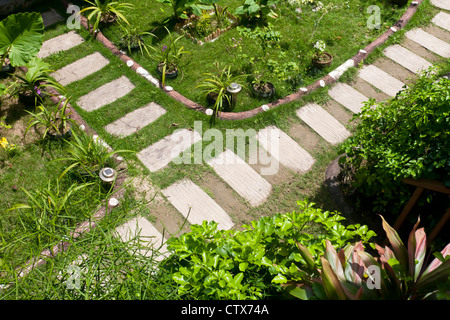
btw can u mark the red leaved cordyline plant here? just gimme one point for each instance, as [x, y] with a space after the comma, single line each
[352, 273]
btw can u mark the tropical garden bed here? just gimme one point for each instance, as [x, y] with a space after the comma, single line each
[260, 48]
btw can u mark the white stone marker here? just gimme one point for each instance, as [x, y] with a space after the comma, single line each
[241, 177]
[430, 42]
[135, 120]
[159, 154]
[381, 80]
[60, 43]
[443, 4]
[195, 204]
[323, 123]
[140, 228]
[288, 152]
[106, 94]
[406, 58]
[80, 69]
[349, 97]
[442, 20]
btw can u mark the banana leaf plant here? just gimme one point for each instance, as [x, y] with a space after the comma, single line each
[399, 271]
[21, 37]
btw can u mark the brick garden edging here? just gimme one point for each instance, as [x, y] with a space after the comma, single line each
[326, 80]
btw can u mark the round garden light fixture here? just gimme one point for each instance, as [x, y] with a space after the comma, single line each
[107, 175]
[234, 88]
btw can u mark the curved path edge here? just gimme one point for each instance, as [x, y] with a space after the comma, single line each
[330, 78]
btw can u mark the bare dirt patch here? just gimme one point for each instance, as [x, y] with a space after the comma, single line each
[395, 70]
[304, 136]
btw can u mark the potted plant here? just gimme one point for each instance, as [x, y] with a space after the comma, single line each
[132, 38]
[167, 56]
[320, 57]
[56, 121]
[262, 88]
[400, 2]
[105, 11]
[215, 89]
[29, 85]
[6, 66]
[21, 37]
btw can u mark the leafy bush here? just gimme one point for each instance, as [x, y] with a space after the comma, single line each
[250, 264]
[408, 136]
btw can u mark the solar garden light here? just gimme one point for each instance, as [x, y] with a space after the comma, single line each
[234, 89]
[107, 175]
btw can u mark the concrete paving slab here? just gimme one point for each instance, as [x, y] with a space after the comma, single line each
[51, 17]
[106, 94]
[406, 58]
[80, 69]
[381, 80]
[143, 231]
[283, 148]
[429, 42]
[323, 123]
[443, 4]
[241, 177]
[63, 42]
[442, 20]
[196, 205]
[135, 120]
[161, 153]
[349, 97]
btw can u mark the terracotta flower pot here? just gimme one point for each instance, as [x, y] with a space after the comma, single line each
[324, 60]
[169, 74]
[265, 90]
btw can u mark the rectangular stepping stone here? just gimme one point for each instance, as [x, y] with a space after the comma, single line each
[60, 43]
[195, 204]
[147, 234]
[406, 58]
[161, 153]
[323, 123]
[241, 177]
[135, 120]
[381, 80]
[80, 69]
[443, 4]
[442, 20]
[349, 97]
[50, 17]
[283, 148]
[429, 42]
[106, 94]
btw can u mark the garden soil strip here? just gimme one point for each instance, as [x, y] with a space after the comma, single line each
[241, 177]
[349, 97]
[442, 20]
[381, 80]
[196, 205]
[443, 4]
[161, 153]
[135, 120]
[288, 152]
[63, 42]
[106, 94]
[429, 42]
[142, 230]
[323, 123]
[406, 58]
[80, 69]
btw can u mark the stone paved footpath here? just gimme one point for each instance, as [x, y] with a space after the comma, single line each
[422, 47]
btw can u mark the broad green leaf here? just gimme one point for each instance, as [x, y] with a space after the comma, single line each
[279, 279]
[21, 37]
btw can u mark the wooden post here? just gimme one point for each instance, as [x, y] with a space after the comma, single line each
[412, 201]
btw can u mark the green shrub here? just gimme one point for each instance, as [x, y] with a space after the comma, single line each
[252, 263]
[407, 136]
